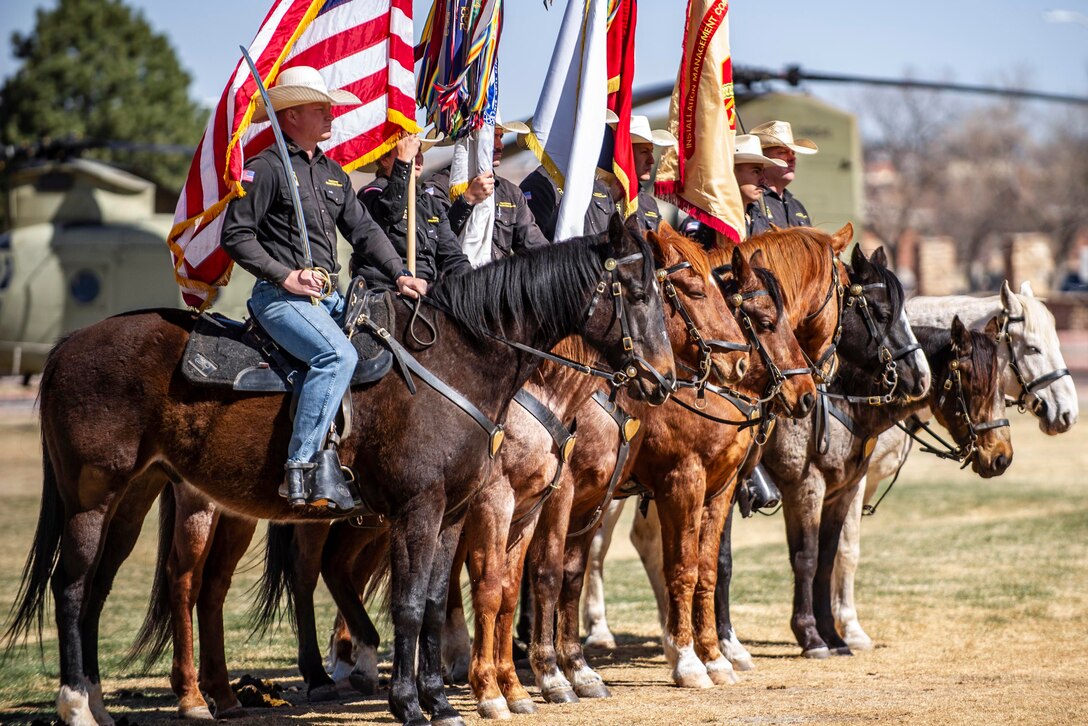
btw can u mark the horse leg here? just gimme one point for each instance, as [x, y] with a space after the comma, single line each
[842, 578]
[429, 681]
[456, 646]
[835, 509]
[487, 525]
[121, 534]
[593, 607]
[728, 642]
[704, 621]
[587, 682]
[230, 540]
[517, 698]
[801, 507]
[195, 522]
[308, 545]
[678, 504]
[414, 537]
[646, 538]
[349, 559]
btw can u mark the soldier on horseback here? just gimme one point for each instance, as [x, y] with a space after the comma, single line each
[295, 297]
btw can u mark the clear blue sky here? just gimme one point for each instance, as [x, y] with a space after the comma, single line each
[970, 41]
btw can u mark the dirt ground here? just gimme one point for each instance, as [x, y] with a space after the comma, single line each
[976, 594]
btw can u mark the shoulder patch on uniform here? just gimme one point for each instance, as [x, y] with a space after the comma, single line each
[333, 183]
[248, 175]
[527, 195]
[509, 205]
[429, 190]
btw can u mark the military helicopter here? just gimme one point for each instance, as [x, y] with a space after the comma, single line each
[86, 242]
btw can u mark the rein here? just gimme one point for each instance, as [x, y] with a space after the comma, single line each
[1026, 388]
[953, 384]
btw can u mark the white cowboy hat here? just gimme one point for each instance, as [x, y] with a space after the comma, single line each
[510, 127]
[749, 151]
[641, 133]
[432, 138]
[297, 86]
[779, 133]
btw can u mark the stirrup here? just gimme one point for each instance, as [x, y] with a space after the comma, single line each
[328, 485]
[295, 482]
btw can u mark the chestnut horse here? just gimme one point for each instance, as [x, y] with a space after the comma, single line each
[119, 420]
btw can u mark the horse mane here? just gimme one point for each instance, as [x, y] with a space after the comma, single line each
[782, 248]
[524, 288]
[688, 249]
[896, 297]
[1038, 320]
[984, 353]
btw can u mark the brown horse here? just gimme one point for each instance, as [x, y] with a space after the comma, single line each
[119, 420]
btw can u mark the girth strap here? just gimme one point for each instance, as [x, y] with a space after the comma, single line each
[495, 432]
[563, 437]
[628, 426]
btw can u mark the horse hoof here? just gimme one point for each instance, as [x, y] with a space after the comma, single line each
[721, 672]
[196, 713]
[817, 653]
[447, 718]
[232, 712]
[494, 708]
[600, 642]
[561, 695]
[324, 692]
[695, 680]
[592, 690]
[860, 643]
[366, 685]
[523, 706]
[841, 650]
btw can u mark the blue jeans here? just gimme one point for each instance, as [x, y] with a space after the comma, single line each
[312, 334]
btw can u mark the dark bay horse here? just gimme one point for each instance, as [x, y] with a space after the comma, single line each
[119, 420]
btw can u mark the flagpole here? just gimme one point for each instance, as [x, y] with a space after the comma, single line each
[412, 220]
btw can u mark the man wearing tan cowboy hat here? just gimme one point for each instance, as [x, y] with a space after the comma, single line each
[643, 142]
[505, 226]
[258, 234]
[748, 167]
[781, 208]
[438, 252]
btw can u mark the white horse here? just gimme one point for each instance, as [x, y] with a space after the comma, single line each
[1042, 386]
[1036, 379]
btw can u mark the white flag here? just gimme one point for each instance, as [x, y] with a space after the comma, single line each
[568, 126]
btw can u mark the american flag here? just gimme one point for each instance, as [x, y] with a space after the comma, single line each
[361, 46]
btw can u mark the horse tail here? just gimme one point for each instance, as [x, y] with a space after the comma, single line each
[155, 633]
[378, 586]
[276, 581]
[29, 605]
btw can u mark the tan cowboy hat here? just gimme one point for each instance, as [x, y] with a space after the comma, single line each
[510, 127]
[299, 85]
[641, 133]
[432, 138]
[749, 151]
[779, 133]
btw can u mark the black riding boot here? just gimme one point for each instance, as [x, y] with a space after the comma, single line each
[328, 487]
[757, 492]
[296, 482]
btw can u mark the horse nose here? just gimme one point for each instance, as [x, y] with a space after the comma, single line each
[808, 402]
[1039, 408]
[742, 367]
[1001, 463]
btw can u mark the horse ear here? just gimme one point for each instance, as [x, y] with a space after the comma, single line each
[1010, 301]
[961, 337]
[879, 258]
[993, 328]
[858, 260]
[840, 239]
[632, 225]
[756, 260]
[661, 250]
[741, 271]
[617, 232]
[1025, 289]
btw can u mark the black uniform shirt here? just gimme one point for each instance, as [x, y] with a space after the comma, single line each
[543, 197]
[754, 223]
[647, 214]
[514, 230]
[784, 210]
[260, 231]
[437, 250]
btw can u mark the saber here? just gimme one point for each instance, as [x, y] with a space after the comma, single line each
[285, 159]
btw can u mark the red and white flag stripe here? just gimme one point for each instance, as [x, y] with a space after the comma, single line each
[361, 46]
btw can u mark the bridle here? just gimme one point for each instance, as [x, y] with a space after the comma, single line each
[835, 287]
[706, 346]
[1026, 388]
[952, 386]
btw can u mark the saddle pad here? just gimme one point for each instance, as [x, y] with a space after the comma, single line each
[226, 353]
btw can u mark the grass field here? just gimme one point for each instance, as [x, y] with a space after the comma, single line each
[975, 592]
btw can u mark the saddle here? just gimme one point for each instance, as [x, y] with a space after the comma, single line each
[226, 353]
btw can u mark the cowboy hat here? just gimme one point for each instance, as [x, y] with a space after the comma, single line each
[641, 133]
[749, 151]
[510, 127]
[432, 138]
[300, 85]
[780, 133]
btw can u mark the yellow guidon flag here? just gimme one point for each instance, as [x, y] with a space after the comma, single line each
[697, 174]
